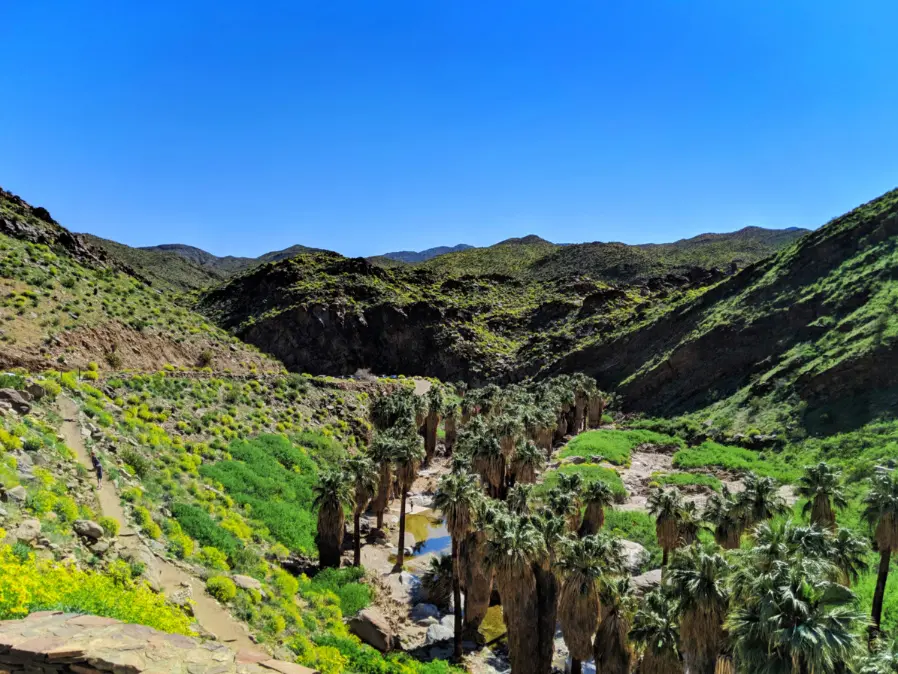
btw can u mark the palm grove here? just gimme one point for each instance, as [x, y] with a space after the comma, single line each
[745, 587]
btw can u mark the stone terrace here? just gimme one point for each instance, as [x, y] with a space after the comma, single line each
[51, 642]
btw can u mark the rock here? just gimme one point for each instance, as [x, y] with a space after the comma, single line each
[27, 531]
[635, 555]
[647, 581]
[16, 399]
[574, 460]
[247, 583]
[448, 621]
[438, 633]
[88, 529]
[100, 547]
[372, 627]
[422, 611]
[17, 494]
[36, 391]
[183, 598]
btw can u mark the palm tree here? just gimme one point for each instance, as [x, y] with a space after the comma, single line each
[477, 575]
[437, 580]
[457, 497]
[363, 476]
[332, 493]
[597, 496]
[450, 422]
[407, 457]
[820, 486]
[519, 497]
[489, 462]
[697, 579]
[848, 554]
[724, 514]
[383, 446]
[595, 408]
[513, 547]
[507, 428]
[656, 630]
[760, 501]
[794, 620]
[565, 503]
[581, 567]
[434, 402]
[690, 523]
[881, 513]
[612, 651]
[666, 506]
[527, 462]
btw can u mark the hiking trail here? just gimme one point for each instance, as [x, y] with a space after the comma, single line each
[211, 616]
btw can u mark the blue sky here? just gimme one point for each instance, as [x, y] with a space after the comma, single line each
[365, 127]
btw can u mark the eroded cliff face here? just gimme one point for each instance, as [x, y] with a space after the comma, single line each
[818, 319]
[321, 339]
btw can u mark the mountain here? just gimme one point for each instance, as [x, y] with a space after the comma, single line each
[411, 256]
[70, 300]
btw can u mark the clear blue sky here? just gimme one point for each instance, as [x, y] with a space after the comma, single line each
[370, 126]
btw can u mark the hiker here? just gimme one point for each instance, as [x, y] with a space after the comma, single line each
[98, 468]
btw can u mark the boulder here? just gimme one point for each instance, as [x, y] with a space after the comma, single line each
[647, 581]
[423, 611]
[16, 494]
[88, 529]
[372, 627]
[27, 531]
[100, 547]
[17, 400]
[36, 391]
[437, 633]
[247, 582]
[635, 555]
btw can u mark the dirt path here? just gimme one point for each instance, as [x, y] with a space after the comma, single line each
[209, 614]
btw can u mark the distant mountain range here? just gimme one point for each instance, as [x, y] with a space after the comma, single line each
[184, 267]
[410, 256]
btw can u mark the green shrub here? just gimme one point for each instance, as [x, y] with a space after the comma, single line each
[222, 588]
[137, 461]
[710, 453]
[345, 583]
[615, 446]
[275, 479]
[199, 525]
[590, 472]
[214, 558]
[684, 479]
[66, 509]
[110, 525]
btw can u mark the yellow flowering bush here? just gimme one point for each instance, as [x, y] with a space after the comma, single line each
[28, 585]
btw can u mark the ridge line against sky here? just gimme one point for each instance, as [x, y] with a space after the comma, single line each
[372, 128]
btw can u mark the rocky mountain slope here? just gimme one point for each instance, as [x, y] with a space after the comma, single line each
[411, 256]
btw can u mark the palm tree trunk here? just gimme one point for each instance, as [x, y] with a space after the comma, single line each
[380, 520]
[547, 589]
[400, 558]
[456, 600]
[356, 539]
[664, 557]
[885, 557]
[576, 666]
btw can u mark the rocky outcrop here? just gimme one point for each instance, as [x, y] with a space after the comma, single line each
[372, 627]
[52, 642]
[88, 529]
[19, 401]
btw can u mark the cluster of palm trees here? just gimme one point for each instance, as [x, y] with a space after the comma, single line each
[779, 604]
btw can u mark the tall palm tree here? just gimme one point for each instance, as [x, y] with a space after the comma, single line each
[332, 493]
[794, 620]
[407, 457]
[697, 578]
[656, 630]
[519, 498]
[513, 547]
[527, 462]
[434, 402]
[848, 554]
[565, 503]
[548, 586]
[457, 497]
[581, 566]
[820, 486]
[437, 581]
[382, 449]
[508, 428]
[477, 575]
[595, 408]
[612, 651]
[760, 501]
[450, 422]
[881, 513]
[489, 462]
[690, 523]
[722, 511]
[597, 496]
[363, 476]
[666, 506]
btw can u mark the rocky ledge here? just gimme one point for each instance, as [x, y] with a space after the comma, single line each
[83, 644]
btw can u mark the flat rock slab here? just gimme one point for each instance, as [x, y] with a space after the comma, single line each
[80, 644]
